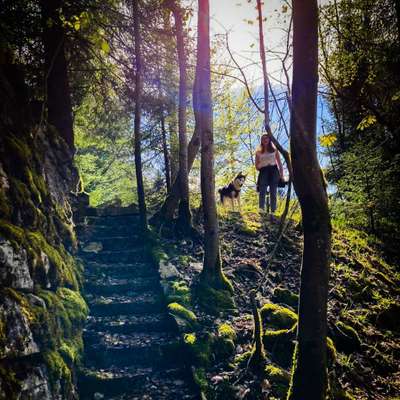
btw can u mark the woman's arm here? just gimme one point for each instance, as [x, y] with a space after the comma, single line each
[279, 163]
[257, 160]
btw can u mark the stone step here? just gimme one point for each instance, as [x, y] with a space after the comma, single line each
[111, 211]
[128, 220]
[89, 232]
[103, 349]
[131, 323]
[119, 270]
[106, 285]
[111, 243]
[120, 256]
[145, 303]
[132, 383]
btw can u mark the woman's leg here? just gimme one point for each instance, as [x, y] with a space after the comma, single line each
[261, 196]
[272, 194]
[273, 187]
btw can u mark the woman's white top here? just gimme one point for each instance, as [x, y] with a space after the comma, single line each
[266, 159]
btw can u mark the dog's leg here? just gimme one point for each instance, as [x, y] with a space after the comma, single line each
[232, 203]
[238, 200]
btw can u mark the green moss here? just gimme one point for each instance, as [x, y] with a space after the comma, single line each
[63, 263]
[57, 367]
[178, 292]
[65, 314]
[200, 379]
[189, 338]
[285, 296]
[74, 304]
[243, 358]
[201, 352]
[179, 311]
[280, 345]
[332, 353]
[349, 335]
[23, 303]
[279, 380]
[13, 233]
[215, 294]
[226, 331]
[277, 316]
[72, 349]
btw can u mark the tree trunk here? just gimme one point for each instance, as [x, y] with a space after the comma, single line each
[184, 216]
[309, 376]
[166, 153]
[211, 275]
[138, 111]
[285, 153]
[263, 62]
[57, 93]
[167, 210]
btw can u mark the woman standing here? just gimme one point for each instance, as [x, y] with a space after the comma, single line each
[269, 165]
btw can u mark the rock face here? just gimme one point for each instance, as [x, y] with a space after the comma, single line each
[14, 266]
[41, 309]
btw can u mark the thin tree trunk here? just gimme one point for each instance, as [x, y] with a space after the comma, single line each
[267, 126]
[57, 92]
[166, 153]
[167, 210]
[309, 376]
[211, 275]
[263, 62]
[184, 215]
[138, 111]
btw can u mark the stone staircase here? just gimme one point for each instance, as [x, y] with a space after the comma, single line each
[132, 348]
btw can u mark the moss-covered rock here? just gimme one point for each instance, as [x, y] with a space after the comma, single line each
[280, 345]
[346, 338]
[277, 316]
[224, 342]
[279, 380]
[185, 318]
[285, 296]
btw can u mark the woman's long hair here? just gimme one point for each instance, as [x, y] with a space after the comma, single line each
[270, 147]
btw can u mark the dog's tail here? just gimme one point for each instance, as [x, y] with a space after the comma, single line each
[221, 197]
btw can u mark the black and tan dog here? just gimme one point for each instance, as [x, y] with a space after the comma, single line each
[232, 191]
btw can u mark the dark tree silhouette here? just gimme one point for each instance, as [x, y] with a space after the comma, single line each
[309, 378]
[57, 92]
[211, 275]
[138, 112]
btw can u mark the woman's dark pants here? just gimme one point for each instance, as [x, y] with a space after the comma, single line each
[268, 177]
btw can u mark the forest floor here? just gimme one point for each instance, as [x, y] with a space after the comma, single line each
[364, 311]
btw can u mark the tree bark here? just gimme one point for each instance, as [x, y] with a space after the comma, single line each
[309, 376]
[184, 216]
[263, 62]
[167, 210]
[211, 275]
[137, 119]
[166, 153]
[57, 92]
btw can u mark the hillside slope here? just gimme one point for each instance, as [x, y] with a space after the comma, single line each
[364, 319]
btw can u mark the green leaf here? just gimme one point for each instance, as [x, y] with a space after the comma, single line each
[327, 140]
[366, 122]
